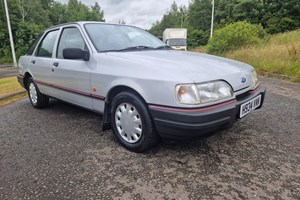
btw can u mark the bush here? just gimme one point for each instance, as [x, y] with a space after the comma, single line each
[234, 36]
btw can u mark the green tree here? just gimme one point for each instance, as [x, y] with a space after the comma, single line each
[29, 11]
[96, 13]
[199, 14]
[174, 18]
[274, 15]
[197, 37]
[57, 13]
[77, 11]
[25, 36]
[278, 24]
[248, 10]
[281, 15]
[31, 17]
[224, 11]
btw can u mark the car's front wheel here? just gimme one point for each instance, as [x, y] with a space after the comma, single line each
[131, 122]
[37, 99]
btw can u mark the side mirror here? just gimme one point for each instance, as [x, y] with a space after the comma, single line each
[76, 54]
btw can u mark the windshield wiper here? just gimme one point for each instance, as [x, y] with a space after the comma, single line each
[167, 47]
[136, 48]
[106, 51]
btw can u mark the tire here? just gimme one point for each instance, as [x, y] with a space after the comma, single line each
[37, 99]
[130, 111]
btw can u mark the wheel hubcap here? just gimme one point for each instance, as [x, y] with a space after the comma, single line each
[129, 123]
[32, 93]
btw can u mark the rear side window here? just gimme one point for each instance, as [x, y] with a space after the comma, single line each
[33, 45]
[45, 48]
[70, 38]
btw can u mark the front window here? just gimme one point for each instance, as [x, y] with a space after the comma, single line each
[70, 38]
[108, 37]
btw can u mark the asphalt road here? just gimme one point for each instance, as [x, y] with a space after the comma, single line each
[8, 71]
[61, 153]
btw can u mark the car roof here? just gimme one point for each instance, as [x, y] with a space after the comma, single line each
[81, 23]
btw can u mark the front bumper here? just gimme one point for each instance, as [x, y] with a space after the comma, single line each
[176, 123]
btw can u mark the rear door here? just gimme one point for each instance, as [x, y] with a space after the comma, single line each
[72, 77]
[41, 62]
[24, 62]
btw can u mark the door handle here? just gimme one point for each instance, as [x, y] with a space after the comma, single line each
[32, 62]
[55, 64]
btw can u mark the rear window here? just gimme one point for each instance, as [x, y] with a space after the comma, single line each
[33, 45]
[45, 48]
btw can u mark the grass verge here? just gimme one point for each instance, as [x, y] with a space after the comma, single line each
[10, 86]
[13, 99]
[279, 54]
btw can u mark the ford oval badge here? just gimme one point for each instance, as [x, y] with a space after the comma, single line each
[243, 80]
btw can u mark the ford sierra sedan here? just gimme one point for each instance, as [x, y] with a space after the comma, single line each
[144, 90]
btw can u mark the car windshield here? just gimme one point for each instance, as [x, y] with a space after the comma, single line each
[108, 37]
[177, 42]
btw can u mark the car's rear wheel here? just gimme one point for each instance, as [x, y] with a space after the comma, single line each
[131, 122]
[37, 99]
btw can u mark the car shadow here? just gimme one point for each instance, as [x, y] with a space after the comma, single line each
[73, 112]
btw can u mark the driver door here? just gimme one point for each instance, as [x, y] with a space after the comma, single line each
[72, 77]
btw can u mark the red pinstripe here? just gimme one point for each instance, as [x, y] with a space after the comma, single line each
[71, 90]
[193, 110]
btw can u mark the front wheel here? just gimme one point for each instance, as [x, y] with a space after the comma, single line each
[37, 99]
[131, 123]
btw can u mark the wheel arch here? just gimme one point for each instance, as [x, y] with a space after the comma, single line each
[109, 97]
[121, 88]
[27, 75]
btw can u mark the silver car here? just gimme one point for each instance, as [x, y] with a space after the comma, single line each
[144, 90]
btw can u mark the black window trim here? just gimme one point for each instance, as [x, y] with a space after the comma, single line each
[41, 40]
[35, 44]
[61, 32]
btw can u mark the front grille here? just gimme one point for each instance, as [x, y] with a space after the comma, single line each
[242, 96]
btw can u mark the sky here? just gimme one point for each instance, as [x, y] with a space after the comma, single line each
[141, 13]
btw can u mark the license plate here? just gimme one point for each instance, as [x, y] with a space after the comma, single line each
[249, 106]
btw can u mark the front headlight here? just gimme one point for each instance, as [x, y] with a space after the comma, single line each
[254, 79]
[187, 94]
[214, 91]
[203, 93]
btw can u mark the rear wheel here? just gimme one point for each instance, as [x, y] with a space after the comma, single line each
[37, 99]
[131, 122]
